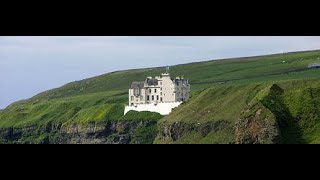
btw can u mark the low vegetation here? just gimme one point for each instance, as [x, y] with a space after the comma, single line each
[221, 90]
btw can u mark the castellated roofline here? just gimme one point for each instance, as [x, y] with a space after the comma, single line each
[150, 81]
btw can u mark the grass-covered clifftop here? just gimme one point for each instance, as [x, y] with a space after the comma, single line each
[281, 112]
[220, 92]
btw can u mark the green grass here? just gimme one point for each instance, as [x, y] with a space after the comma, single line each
[87, 108]
[298, 108]
[220, 90]
[215, 104]
[220, 137]
[145, 135]
[202, 74]
[141, 116]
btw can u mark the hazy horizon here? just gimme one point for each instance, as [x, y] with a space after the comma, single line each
[31, 65]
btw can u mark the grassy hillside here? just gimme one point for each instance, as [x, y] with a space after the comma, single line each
[214, 105]
[202, 74]
[296, 109]
[220, 90]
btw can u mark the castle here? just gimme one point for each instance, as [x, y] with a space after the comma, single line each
[160, 94]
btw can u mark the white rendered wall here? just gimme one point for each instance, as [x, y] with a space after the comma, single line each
[167, 89]
[154, 94]
[162, 108]
[137, 100]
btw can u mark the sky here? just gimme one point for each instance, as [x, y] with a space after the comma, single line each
[32, 64]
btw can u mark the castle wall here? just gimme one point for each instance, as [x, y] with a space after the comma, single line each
[162, 108]
[150, 91]
[168, 89]
[137, 99]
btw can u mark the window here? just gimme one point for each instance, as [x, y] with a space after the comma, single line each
[131, 98]
[141, 98]
[149, 90]
[155, 90]
[160, 89]
[161, 99]
[157, 97]
[160, 83]
[161, 93]
[136, 92]
[152, 97]
[148, 98]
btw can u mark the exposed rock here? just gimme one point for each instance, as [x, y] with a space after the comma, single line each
[261, 121]
[260, 127]
[177, 130]
[112, 132]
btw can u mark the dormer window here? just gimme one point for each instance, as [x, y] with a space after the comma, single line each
[136, 92]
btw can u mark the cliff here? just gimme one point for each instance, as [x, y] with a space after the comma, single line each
[113, 132]
[254, 100]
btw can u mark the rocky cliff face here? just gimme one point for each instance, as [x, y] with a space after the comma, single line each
[280, 116]
[262, 120]
[112, 132]
[174, 132]
[257, 125]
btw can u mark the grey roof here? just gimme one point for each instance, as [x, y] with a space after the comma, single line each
[314, 65]
[152, 82]
[177, 81]
[135, 85]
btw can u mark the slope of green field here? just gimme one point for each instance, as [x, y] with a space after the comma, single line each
[202, 74]
[220, 90]
[221, 105]
[93, 107]
[296, 110]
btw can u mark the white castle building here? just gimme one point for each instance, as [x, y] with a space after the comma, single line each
[160, 94]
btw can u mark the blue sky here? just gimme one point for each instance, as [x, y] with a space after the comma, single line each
[30, 65]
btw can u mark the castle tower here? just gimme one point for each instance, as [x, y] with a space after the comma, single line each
[167, 72]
